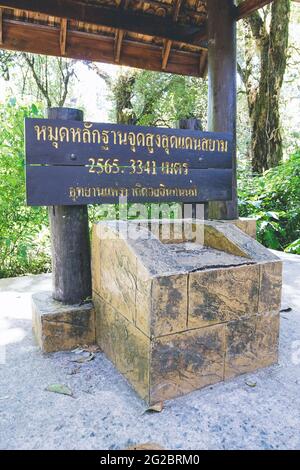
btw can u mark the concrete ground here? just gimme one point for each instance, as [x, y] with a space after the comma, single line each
[256, 411]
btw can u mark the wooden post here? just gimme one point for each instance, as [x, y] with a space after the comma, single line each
[222, 88]
[190, 124]
[194, 125]
[71, 262]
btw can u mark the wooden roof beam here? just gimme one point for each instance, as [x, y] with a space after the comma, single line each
[120, 33]
[141, 23]
[43, 39]
[63, 36]
[168, 43]
[118, 44]
[249, 6]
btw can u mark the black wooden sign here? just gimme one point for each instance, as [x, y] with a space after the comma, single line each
[72, 162]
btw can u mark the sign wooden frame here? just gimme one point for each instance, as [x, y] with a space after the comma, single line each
[78, 163]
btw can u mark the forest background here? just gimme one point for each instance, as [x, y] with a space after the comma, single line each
[268, 128]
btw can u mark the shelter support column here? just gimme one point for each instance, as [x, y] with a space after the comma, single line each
[70, 240]
[222, 90]
[65, 317]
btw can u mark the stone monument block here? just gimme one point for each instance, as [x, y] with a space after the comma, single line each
[177, 313]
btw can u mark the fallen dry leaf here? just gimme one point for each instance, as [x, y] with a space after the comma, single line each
[85, 358]
[157, 408]
[78, 351]
[287, 309]
[251, 384]
[146, 446]
[93, 348]
[59, 388]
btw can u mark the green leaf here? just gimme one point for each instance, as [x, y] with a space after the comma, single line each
[59, 388]
[34, 109]
[251, 384]
[273, 215]
[294, 247]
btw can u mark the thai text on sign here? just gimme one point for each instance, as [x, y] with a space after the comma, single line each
[72, 162]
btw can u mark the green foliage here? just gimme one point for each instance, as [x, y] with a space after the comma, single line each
[6, 61]
[274, 200]
[38, 78]
[122, 91]
[163, 99]
[294, 247]
[24, 238]
[153, 99]
[158, 99]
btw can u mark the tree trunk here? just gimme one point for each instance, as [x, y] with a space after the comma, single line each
[122, 94]
[263, 95]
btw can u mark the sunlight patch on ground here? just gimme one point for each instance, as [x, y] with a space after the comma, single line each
[13, 305]
[8, 334]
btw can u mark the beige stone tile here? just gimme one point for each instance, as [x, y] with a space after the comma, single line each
[117, 276]
[124, 345]
[225, 236]
[216, 237]
[222, 295]
[143, 304]
[169, 305]
[185, 362]
[270, 287]
[247, 225]
[251, 344]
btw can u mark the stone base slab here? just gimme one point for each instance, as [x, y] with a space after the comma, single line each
[60, 327]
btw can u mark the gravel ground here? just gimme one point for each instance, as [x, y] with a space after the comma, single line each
[104, 412]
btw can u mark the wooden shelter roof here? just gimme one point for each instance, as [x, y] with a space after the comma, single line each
[160, 35]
